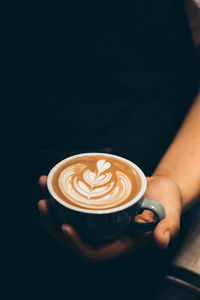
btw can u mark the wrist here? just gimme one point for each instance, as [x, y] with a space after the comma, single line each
[188, 183]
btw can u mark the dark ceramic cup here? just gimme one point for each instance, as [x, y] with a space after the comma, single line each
[107, 223]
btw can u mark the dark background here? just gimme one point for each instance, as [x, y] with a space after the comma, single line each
[39, 268]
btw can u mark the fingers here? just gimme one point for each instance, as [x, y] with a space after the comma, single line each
[71, 239]
[48, 219]
[145, 216]
[43, 185]
[75, 244]
[167, 229]
[50, 223]
[163, 189]
[122, 246]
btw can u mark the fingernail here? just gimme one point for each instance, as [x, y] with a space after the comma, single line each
[64, 230]
[167, 238]
[41, 211]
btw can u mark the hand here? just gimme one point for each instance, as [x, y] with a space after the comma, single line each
[160, 188]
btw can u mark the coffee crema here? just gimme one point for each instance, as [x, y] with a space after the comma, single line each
[96, 182]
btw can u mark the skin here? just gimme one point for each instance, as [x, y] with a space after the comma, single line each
[175, 183]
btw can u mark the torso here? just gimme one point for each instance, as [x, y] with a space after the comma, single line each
[104, 75]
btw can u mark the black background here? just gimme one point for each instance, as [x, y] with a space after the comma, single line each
[36, 265]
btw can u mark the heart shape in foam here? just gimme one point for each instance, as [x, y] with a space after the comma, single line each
[102, 165]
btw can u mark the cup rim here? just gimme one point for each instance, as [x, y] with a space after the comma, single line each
[95, 211]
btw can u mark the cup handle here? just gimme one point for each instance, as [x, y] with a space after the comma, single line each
[153, 205]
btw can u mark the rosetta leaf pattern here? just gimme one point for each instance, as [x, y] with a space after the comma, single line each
[99, 187]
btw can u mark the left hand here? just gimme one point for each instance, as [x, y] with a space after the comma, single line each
[160, 188]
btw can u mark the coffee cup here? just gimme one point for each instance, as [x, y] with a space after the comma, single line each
[100, 194]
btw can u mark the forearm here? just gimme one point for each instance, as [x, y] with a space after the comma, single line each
[181, 162]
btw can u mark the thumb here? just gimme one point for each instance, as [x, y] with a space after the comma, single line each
[166, 230]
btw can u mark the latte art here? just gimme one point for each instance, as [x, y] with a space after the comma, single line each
[101, 188]
[96, 182]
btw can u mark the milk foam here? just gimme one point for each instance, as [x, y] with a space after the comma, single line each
[99, 187]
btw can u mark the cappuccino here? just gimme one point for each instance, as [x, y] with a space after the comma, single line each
[96, 181]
